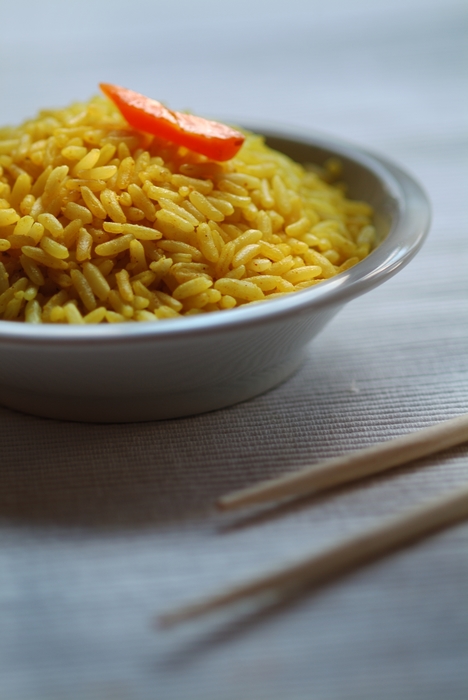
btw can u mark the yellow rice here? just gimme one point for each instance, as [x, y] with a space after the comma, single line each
[102, 224]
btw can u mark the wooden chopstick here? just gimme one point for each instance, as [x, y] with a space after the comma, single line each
[352, 466]
[393, 533]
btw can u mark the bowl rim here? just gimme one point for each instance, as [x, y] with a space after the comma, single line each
[404, 239]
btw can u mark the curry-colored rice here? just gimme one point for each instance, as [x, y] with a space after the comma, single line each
[100, 223]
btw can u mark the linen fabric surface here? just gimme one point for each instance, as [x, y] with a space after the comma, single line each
[103, 527]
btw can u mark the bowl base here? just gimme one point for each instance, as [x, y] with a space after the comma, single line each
[145, 407]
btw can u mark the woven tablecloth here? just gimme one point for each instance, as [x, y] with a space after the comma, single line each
[102, 527]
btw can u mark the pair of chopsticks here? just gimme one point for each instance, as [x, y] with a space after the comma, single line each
[395, 532]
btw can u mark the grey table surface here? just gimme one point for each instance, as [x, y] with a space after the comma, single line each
[104, 527]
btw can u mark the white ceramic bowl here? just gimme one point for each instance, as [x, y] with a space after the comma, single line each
[151, 371]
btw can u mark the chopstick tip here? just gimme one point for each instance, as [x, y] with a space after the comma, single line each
[222, 504]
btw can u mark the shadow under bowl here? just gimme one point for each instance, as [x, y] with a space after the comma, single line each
[152, 371]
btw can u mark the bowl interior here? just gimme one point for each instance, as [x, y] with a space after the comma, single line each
[401, 218]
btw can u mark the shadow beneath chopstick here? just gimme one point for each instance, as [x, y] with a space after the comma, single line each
[229, 625]
[232, 621]
[263, 513]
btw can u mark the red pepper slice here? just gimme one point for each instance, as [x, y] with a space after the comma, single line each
[211, 139]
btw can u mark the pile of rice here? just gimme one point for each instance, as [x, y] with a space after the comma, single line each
[101, 223]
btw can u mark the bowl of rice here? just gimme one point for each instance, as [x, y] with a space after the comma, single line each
[142, 281]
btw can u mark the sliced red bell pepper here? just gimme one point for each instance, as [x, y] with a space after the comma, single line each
[211, 139]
